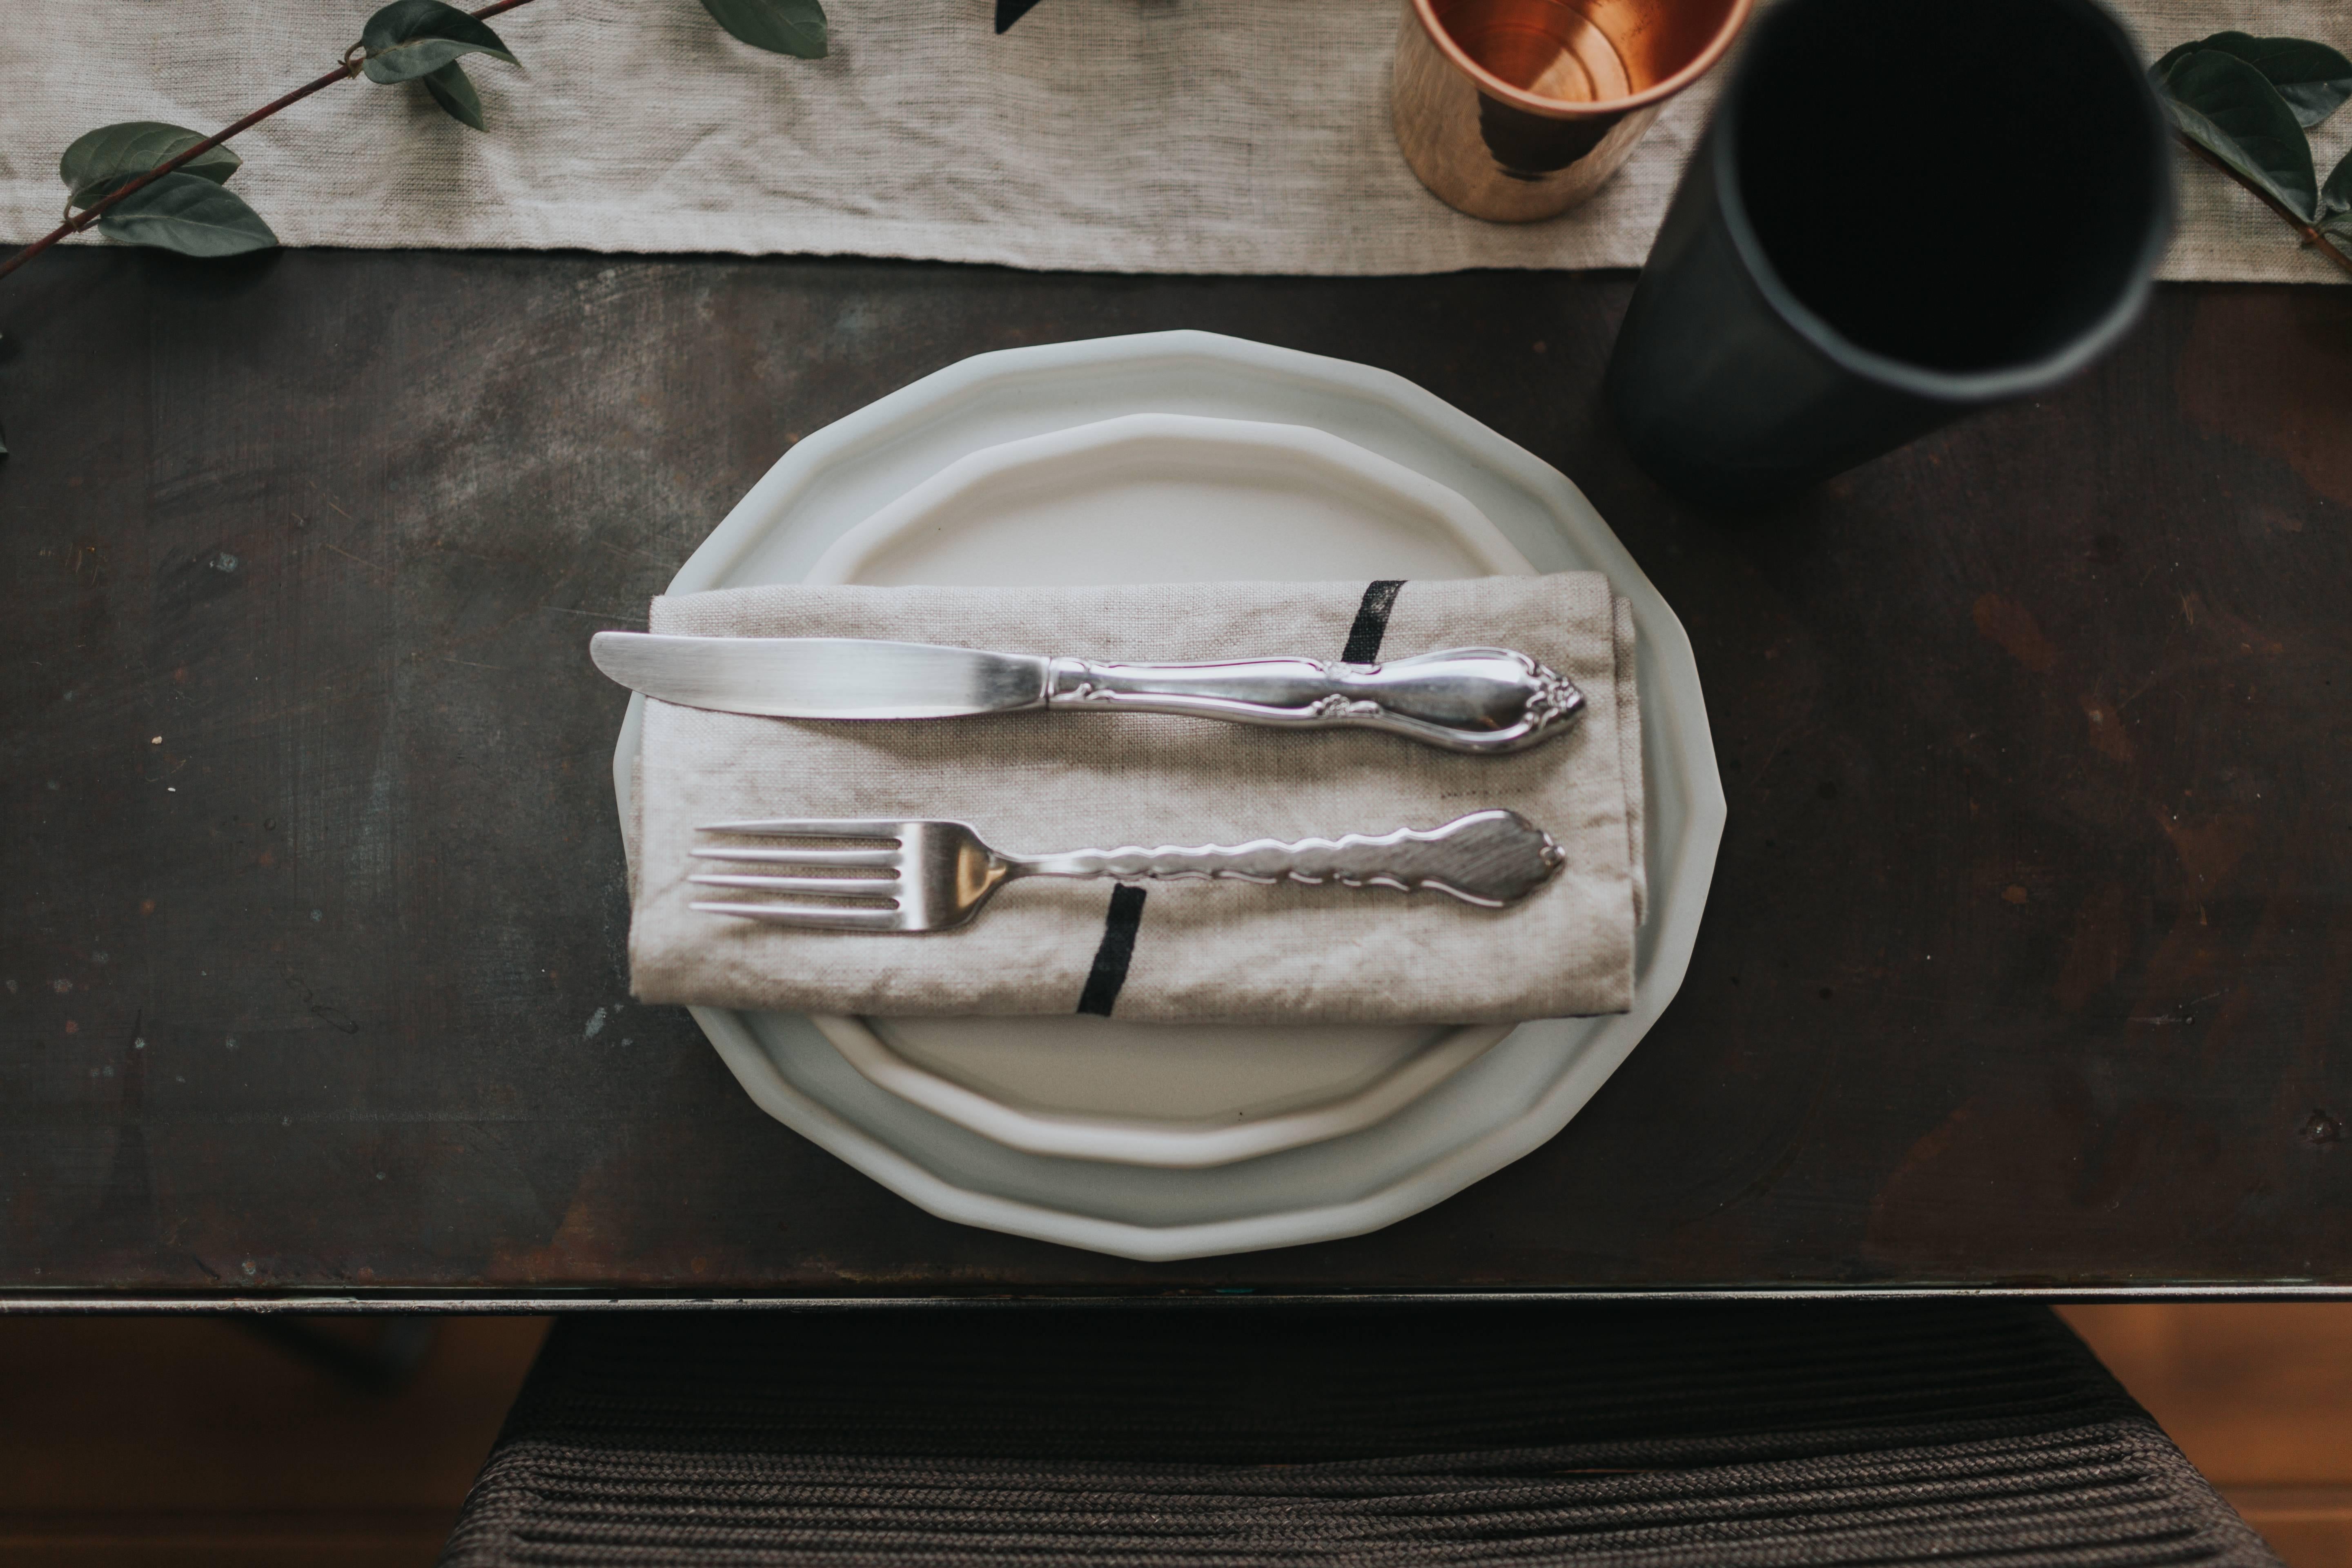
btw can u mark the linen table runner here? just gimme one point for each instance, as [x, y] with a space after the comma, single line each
[1122, 135]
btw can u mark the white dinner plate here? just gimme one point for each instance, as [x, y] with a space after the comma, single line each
[1155, 497]
[1493, 1109]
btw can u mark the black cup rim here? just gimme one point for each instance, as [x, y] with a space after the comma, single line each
[1943, 385]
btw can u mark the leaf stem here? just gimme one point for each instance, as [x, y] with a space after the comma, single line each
[349, 68]
[2311, 235]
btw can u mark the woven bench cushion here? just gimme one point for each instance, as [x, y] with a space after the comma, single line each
[1236, 1434]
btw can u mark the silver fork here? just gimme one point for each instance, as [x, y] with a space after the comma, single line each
[919, 876]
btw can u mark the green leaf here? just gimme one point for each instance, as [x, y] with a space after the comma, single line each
[453, 90]
[409, 38]
[2335, 195]
[102, 162]
[2312, 77]
[780, 26]
[192, 215]
[2231, 109]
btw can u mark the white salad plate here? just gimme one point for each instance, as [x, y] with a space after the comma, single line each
[1144, 1094]
[1174, 491]
[1444, 1133]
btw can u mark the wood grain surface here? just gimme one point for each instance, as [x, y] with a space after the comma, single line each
[175, 1443]
[2025, 963]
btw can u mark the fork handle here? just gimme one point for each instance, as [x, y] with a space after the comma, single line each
[1489, 858]
[1463, 699]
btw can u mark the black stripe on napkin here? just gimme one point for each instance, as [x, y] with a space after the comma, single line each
[1117, 951]
[1011, 11]
[1371, 623]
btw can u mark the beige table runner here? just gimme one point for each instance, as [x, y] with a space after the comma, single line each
[1129, 135]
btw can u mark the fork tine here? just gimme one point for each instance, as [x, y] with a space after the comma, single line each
[810, 917]
[814, 827]
[887, 860]
[841, 887]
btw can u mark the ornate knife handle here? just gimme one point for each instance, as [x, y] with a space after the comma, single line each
[1463, 699]
[1489, 858]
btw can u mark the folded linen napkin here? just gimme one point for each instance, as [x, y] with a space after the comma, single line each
[1035, 782]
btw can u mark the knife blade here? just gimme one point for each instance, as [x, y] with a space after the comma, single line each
[1464, 700]
[822, 678]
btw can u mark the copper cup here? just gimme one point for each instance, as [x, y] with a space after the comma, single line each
[1518, 109]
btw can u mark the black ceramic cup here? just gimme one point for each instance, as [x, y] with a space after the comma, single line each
[1901, 211]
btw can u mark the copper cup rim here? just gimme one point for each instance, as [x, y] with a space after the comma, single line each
[1566, 109]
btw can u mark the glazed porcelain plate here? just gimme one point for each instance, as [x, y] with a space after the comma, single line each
[1485, 1113]
[1136, 1094]
[1161, 497]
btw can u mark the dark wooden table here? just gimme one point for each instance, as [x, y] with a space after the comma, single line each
[2028, 965]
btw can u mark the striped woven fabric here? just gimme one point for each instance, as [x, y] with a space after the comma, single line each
[1738, 1433]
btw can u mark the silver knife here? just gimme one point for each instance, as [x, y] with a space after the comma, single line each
[1463, 699]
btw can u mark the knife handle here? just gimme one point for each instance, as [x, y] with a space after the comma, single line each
[1476, 700]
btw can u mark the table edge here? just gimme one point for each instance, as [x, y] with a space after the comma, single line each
[101, 1304]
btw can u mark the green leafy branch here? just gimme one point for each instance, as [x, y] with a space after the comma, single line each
[146, 183]
[2245, 104]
